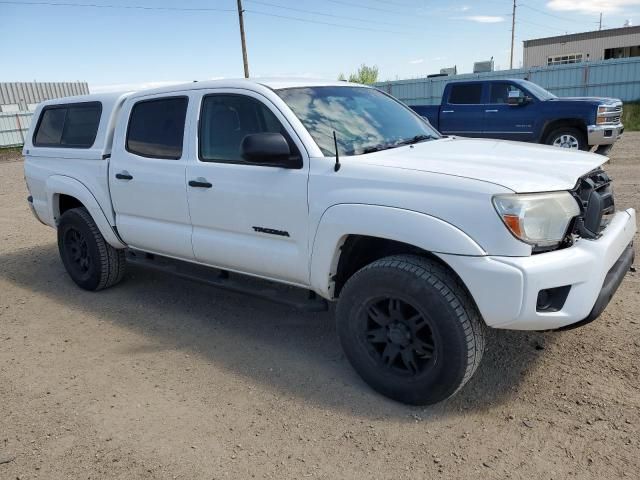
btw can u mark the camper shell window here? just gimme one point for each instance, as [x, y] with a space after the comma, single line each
[73, 125]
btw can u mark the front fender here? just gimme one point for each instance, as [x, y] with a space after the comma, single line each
[62, 185]
[423, 231]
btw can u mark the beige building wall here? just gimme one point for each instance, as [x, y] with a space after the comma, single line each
[591, 45]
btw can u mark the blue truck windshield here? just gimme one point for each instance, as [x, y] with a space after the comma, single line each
[538, 91]
[365, 120]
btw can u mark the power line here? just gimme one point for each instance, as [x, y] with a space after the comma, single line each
[319, 22]
[369, 7]
[386, 2]
[130, 7]
[203, 9]
[553, 29]
[315, 12]
[546, 13]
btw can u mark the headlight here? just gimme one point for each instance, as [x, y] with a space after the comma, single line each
[540, 219]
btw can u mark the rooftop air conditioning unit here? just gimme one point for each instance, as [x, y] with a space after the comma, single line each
[449, 71]
[483, 67]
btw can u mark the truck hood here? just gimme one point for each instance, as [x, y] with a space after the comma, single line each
[598, 100]
[521, 167]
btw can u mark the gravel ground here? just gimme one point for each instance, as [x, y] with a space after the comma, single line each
[162, 378]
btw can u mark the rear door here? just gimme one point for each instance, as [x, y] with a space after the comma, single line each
[247, 217]
[462, 112]
[509, 122]
[147, 175]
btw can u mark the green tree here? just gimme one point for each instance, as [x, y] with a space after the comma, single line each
[365, 74]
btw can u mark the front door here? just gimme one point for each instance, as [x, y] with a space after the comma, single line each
[509, 122]
[247, 217]
[147, 176]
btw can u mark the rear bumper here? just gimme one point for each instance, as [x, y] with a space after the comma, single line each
[506, 289]
[604, 134]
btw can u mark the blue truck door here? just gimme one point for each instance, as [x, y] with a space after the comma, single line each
[509, 122]
[462, 112]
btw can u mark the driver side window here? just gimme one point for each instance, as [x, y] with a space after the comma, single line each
[225, 119]
[500, 92]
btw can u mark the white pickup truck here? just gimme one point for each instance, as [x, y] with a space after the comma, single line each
[343, 191]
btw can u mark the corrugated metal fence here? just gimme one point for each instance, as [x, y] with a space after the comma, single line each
[13, 128]
[618, 78]
[20, 96]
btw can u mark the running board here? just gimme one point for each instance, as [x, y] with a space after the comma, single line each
[264, 289]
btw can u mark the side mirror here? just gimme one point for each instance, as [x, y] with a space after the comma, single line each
[268, 149]
[517, 101]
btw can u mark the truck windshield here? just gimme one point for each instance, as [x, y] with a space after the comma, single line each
[365, 120]
[538, 91]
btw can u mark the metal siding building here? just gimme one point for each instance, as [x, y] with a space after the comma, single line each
[24, 96]
[589, 46]
[609, 78]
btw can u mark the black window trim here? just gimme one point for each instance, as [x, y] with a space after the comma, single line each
[184, 127]
[59, 106]
[298, 153]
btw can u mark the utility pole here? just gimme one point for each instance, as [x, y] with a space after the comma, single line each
[600, 28]
[513, 33]
[244, 42]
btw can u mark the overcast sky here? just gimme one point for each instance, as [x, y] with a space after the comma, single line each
[152, 43]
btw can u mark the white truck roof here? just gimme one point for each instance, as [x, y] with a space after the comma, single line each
[111, 103]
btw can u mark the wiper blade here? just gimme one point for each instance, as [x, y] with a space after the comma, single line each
[399, 143]
[416, 139]
[377, 148]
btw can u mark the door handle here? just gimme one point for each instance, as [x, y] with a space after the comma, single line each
[124, 175]
[200, 183]
[448, 111]
[491, 111]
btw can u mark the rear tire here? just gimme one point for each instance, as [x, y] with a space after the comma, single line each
[410, 329]
[90, 261]
[568, 137]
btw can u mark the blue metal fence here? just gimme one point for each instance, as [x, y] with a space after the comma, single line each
[618, 78]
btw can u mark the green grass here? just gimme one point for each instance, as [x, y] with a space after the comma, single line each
[10, 149]
[631, 117]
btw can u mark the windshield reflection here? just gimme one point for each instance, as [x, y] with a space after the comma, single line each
[364, 119]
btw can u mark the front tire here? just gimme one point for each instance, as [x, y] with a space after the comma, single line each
[90, 261]
[568, 137]
[409, 329]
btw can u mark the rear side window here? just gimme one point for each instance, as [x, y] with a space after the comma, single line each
[68, 126]
[156, 128]
[466, 94]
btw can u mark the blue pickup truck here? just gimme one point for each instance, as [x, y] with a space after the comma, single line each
[523, 111]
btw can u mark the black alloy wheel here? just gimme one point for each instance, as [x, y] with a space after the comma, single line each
[77, 251]
[399, 337]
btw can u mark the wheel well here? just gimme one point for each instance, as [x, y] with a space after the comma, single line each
[360, 250]
[67, 202]
[565, 122]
